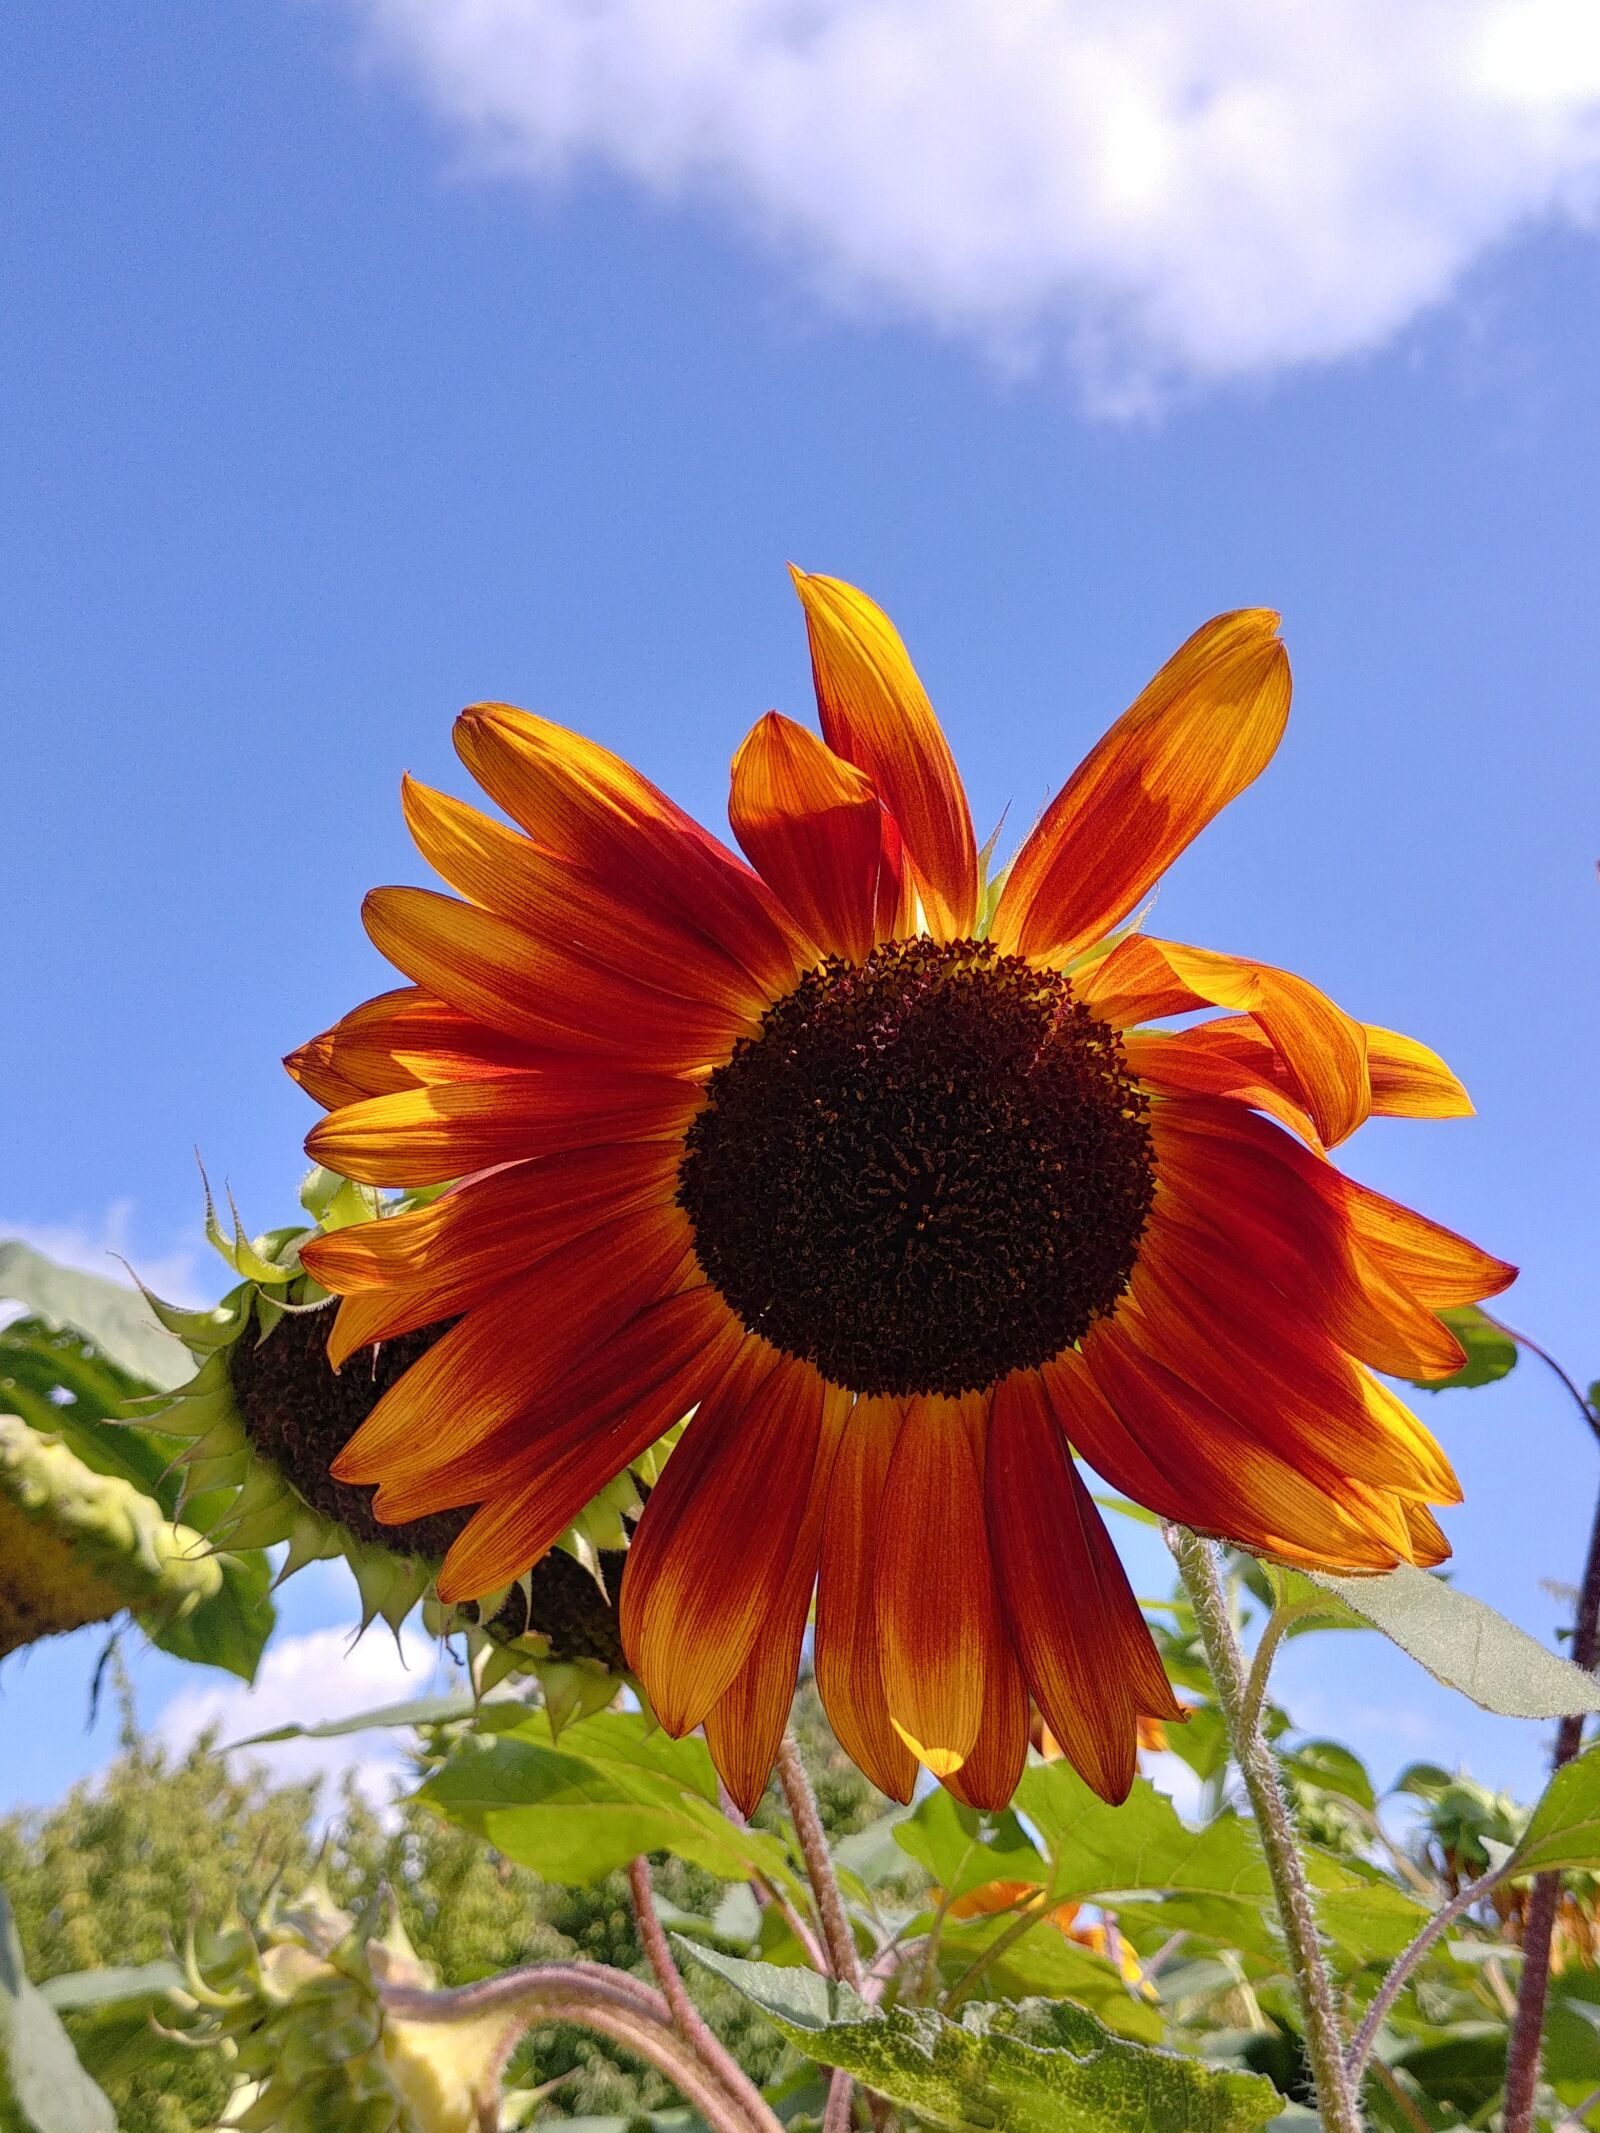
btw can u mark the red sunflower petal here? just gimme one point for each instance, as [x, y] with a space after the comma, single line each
[404, 1039]
[995, 1763]
[542, 990]
[935, 1585]
[1199, 734]
[585, 804]
[1085, 1650]
[715, 1543]
[849, 1671]
[745, 1727]
[812, 826]
[1223, 1180]
[1223, 1328]
[876, 714]
[608, 1411]
[496, 1361]
[551, 898]
[1214, 1477]
[428, 1136]
[492, 1227]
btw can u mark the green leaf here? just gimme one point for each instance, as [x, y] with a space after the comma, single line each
[230, 1627]
[1039, 2066]
[1333, 1767]
[960, 1852]
[1211, 1881]
[417, 1711]
[40, 2076]
[1045, 1963]
[115, 1318]
[1491, 1352]
[1564, 1829]
[614, 1788]
[1464, 1644]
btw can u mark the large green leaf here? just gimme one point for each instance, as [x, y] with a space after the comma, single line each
[614, 1788]
[114, 1317]
[963, 1850]
[1466, 1645]
[40, 2076]
[1038, 2066]
[1211, 1881]
[1564, 1829]
[1044, 1963]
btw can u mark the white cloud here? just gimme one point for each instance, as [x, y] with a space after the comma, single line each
[106, 1246]
[305, 1680]
[1169, 191]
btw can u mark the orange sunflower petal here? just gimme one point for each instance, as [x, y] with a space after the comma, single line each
[1217, 1479]
[1221, 1326]
[512, 1347]
[1198, 735]
[543, 990]
[849, 1671]
[608, 1411]
[935, 1586]
[1407, 1079]
[1324, 1051]
[1410, 1081]
[876, 714]
[492, 1227]
[404, 1039]
[812, 826]
[1204, 1062]
[717, 1536]
[509, 874]
[428, 1136]
[1225, 1172]
[581, 802]
[745, 1726]
[995, 1762]
[1085, 1649]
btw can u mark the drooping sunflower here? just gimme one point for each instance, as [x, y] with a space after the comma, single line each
[879, 1169]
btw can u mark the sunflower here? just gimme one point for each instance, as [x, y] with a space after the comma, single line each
[263, 1417]
[878, 1169]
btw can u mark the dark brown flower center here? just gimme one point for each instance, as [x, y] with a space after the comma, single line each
[300, 1413]
[923, 1171]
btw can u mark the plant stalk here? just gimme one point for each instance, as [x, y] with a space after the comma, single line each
[1336, 2096]
[1526, 2048]
[690, 2023]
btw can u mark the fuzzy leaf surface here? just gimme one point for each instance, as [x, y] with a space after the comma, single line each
[1036, 2066]
[41, 2078]
[1463, 1643]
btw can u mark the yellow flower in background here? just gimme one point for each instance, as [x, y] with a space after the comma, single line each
[880, 1171]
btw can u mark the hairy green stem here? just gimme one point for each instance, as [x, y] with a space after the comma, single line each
[1336, 2096]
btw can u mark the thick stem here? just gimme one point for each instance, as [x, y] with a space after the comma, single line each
[1197, 1566]
[691, 2024]
[843, 1959]
[1527, 2031]
[620, 2008]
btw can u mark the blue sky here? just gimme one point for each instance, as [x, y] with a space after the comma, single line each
[328, 412]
